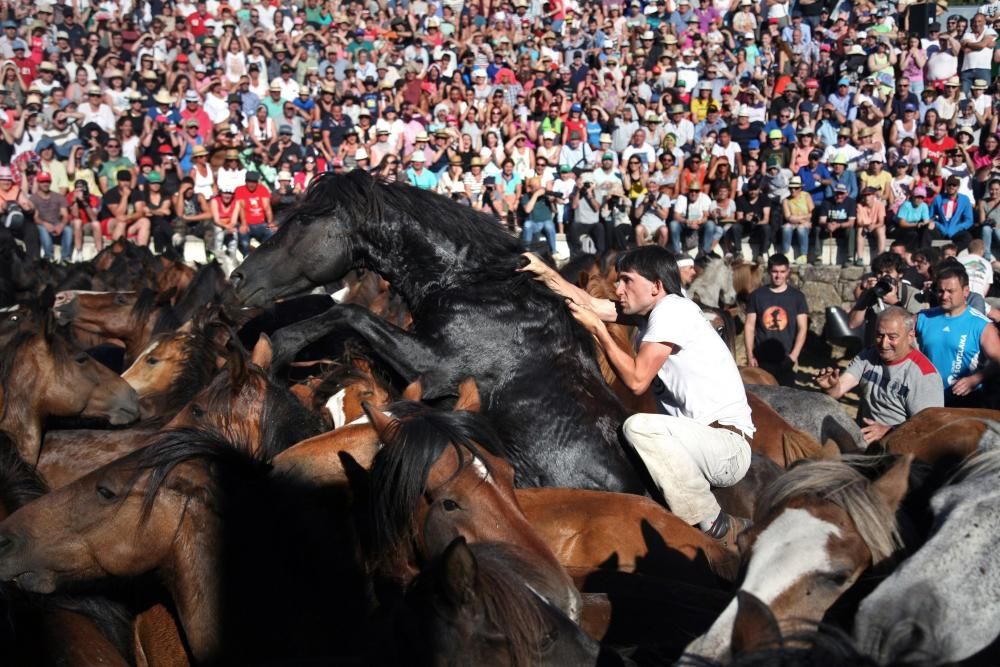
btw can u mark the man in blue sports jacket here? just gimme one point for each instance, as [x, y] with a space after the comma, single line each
[951, 212]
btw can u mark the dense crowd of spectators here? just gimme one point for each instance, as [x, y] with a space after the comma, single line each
[780, 122]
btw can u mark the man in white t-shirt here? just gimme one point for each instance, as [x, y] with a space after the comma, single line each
[701, 436]
[977, 46]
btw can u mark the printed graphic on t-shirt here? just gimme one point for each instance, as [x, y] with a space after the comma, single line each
[775, 318]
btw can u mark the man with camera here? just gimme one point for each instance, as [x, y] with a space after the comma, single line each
[894, 379]
[51, 218]
[587, 218]
[880, 290]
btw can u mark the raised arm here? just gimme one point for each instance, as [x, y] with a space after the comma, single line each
[605, 308]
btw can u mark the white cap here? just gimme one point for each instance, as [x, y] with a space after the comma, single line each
[361, 154]
[418, 157]
[684, 261]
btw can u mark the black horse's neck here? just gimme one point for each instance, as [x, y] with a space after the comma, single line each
[420, 259]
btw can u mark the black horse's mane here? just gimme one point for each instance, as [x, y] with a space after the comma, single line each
[145, 304]
[207, 286]
[399, 471]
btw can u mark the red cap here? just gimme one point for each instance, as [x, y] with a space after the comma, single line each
[44, 177]
[181, 58]
[146, 160]
[727, 89]
[812, 83]
[165, 148]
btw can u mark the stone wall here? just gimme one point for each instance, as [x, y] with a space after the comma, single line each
[826, 286]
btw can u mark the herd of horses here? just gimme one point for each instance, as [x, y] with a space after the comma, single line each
[378, 442]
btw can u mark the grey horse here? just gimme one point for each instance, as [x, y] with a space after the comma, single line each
[817, 414]
[942, 605]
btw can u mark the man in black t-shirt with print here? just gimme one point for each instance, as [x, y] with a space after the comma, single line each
[837, 217]
[777, 323]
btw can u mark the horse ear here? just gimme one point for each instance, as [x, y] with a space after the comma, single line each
[165, 297]
[892, 486]
[754, 627]
[261, 355]
[468, 396]
[414, 391]
[458, 576]
[829, 451]
[358, 478]
[47, 299]
[384, 425]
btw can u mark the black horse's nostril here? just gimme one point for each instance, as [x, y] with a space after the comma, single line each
[235, 279]
[6, 542]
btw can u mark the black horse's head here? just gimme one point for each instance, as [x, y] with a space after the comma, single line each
[314, 245]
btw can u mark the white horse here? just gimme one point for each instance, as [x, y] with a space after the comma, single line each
[714, 285]
[942, 605]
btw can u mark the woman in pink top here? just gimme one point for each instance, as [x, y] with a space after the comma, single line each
[871, 221]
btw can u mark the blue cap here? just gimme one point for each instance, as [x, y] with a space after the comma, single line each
[43, 143]
[10, 24]
[317, 124]
[844, 81]
[576, 107]
[909, 107]
[389, 109]
[284, 129]
[359, 33]
[753, 145]
[19, 44]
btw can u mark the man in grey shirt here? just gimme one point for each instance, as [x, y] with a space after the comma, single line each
[895, 380]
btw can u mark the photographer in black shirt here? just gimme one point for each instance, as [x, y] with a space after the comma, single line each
[881, 288]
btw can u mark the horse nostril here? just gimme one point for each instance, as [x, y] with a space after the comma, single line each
[236, 278]
[6, 542]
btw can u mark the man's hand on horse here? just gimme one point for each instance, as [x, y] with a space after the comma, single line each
[873, 431]
[535, 265]
[828, 378]
[585, 316]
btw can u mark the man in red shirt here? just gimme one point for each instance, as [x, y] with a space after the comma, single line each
[256, 217]
[25, 66]
[196, 22]
[937, 147]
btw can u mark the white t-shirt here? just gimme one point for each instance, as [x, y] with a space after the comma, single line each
[979, 270]
[699, 380]
[978, 58]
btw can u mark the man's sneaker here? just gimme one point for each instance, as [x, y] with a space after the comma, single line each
[726, 529]
[77, 256]
[801, 259]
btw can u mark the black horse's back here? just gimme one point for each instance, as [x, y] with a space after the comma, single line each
[474, 316]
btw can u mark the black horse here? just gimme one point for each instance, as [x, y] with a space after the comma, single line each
[473, 315]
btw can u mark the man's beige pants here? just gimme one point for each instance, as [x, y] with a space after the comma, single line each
[685, 459]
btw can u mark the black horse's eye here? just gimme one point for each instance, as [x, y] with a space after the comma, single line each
[15, 318]
[197, 412]
[152, 361]
[450, 505]
[81, 358]
[106, 493]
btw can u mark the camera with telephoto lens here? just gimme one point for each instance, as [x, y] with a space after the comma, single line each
[884, 285]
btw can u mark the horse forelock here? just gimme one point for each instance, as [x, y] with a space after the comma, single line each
[401, 468]
[838, 482]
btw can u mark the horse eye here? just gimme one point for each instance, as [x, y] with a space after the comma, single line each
[450, 505]
[152, 361]
[197, 412]
[81, 359]
[120, 299]
[106, 493]
[838, 578]
[15, 318]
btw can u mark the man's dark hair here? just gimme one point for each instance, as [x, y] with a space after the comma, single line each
[777, 259]
[951, 268]
[888, 261]
[654, 264]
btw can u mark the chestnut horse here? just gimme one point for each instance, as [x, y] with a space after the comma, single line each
[816, 529]
[440, 474]
[131, 318]
[42, 375]
[258, 568]
[934, 434]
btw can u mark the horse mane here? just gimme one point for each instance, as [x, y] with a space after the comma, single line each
[207, 285]
[399, 471]
[364, 199]
[824, 646]
[229, 459]
[841, 483]
[9, 356]
[142, 310]
[981, 463]
[509, 605]
[19, 482]
[344, 374]
[200, 351]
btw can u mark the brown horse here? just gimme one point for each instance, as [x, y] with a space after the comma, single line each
[757, 375]
[250, 561]
[245, 404]
[817, 528]
[934, 434]
[438, 475]
[54, 630]
[42, 375]
[128, 318]
[747, 277]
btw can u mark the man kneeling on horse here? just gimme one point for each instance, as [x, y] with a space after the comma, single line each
[701, 436]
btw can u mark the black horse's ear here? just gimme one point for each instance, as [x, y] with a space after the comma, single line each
[237, 365]
[358, 479]
[755, 628]
[385, 425]
[262, 353]
[457, 578]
